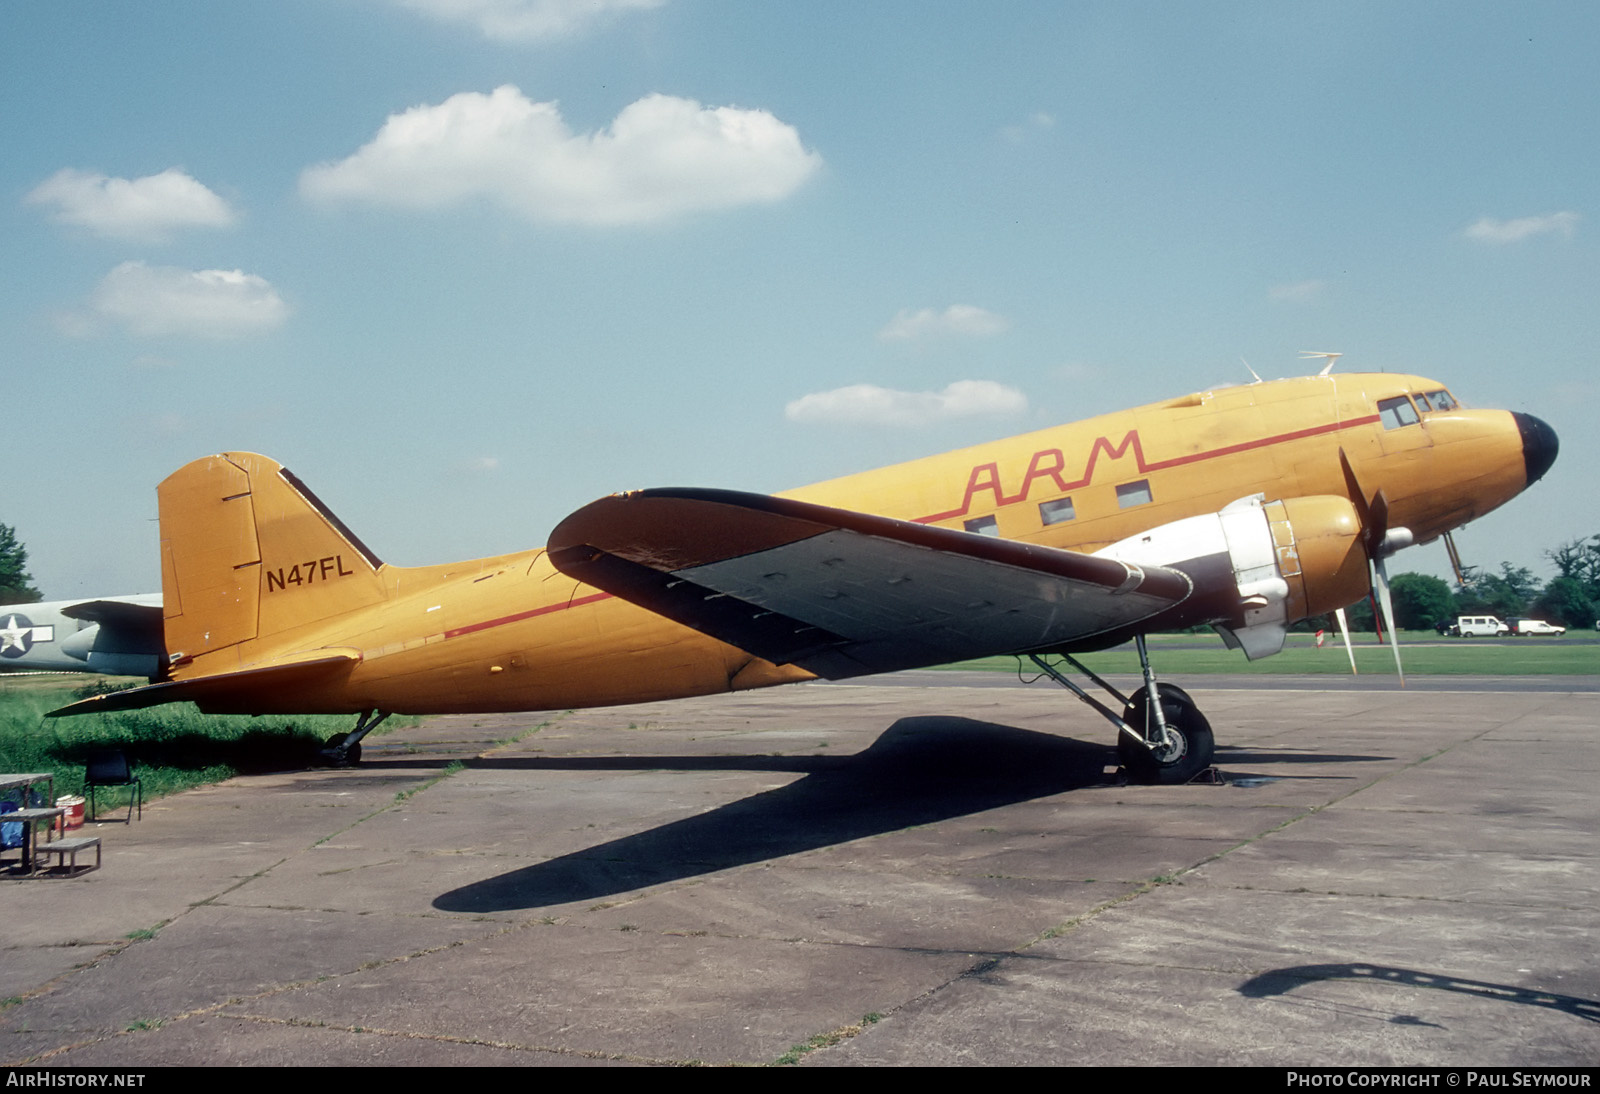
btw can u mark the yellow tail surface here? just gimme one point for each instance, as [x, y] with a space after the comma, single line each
[249, 553]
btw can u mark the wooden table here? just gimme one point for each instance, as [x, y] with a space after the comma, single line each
[13, 781]
[30, 819]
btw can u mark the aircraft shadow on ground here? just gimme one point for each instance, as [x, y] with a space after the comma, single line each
[1252, 754]
[919, 771]
[1283, 981]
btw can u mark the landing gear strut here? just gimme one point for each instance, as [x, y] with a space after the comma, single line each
[1168, 743]
[344, 749]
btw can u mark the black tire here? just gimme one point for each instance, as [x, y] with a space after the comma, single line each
[352, 755]
[1194, 750]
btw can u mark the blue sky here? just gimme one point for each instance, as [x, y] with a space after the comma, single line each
[465, 265]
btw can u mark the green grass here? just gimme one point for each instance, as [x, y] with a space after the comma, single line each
[173, 747]
[1422, 652]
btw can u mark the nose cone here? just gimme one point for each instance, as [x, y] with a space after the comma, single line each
[1539, 445]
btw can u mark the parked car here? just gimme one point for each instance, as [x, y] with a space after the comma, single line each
[1536, 626]
[1479, 626]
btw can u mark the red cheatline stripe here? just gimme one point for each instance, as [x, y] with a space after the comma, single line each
[1245, 446]
[546, 610]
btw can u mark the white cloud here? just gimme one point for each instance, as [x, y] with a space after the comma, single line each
[868, 404]
[1489, 230]
[956, 319]
[147, 208]
[527, 20]
[661, 157]
[152, 301]
[1297, 292]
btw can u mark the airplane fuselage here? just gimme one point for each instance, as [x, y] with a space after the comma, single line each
[513, 633]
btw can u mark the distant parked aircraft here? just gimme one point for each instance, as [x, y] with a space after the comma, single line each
[119, 635]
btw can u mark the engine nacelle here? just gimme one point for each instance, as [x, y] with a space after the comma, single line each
[1258, 566]
[113, 650]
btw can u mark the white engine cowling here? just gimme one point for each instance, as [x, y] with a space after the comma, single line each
[1259, 566]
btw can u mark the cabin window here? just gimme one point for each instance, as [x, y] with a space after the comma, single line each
[983, 526]
[1054, 512]
[1130, 494]
[1397, 412]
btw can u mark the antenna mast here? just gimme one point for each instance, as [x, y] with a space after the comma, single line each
[1311, 355]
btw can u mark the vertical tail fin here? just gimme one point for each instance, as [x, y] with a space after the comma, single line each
[249, 553]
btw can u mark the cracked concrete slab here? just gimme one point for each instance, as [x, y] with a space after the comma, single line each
[878, 873]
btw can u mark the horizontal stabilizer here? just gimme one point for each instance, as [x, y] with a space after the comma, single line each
[287, 672]
[842, 593]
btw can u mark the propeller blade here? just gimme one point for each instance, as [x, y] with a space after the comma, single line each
[1373, 514]
[1344, 629]
[1380, 584]
[1358, 497]
[1378, 529]
[1376, 539]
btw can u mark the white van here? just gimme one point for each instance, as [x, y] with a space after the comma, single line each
[1480, 626]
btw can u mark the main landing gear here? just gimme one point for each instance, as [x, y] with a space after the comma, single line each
[1169, 742]
[344, 749]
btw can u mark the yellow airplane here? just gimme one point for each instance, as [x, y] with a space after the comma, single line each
[1247, 508]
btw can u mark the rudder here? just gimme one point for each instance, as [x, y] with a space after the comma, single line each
[248, 552]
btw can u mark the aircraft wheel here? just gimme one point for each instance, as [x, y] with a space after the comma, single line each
[334, 751]
[1192, 749]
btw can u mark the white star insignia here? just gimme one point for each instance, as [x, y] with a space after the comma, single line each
[11, 636]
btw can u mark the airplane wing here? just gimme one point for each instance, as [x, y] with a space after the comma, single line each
[286, 672]
[845, 594]
[141, 617]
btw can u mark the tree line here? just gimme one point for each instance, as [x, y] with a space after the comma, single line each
[1571, 598]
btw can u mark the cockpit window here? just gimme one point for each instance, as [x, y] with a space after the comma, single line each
[1441, 400]
[1397, 412]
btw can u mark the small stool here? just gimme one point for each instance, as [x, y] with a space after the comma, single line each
[66, 852]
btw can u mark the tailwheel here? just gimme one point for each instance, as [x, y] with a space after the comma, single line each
[1190, 746]
[335, 752]
[344, 749]
[338, 754]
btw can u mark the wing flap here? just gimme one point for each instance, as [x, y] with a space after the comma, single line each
[844, 594]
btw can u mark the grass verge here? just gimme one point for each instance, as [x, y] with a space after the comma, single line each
[173, 747]
[1422, 652]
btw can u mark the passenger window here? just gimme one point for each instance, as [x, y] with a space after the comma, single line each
[1397, 412]
[983, 526]
[1054, 512]
[1130, 494]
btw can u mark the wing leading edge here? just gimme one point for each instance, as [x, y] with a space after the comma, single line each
[845, 594]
